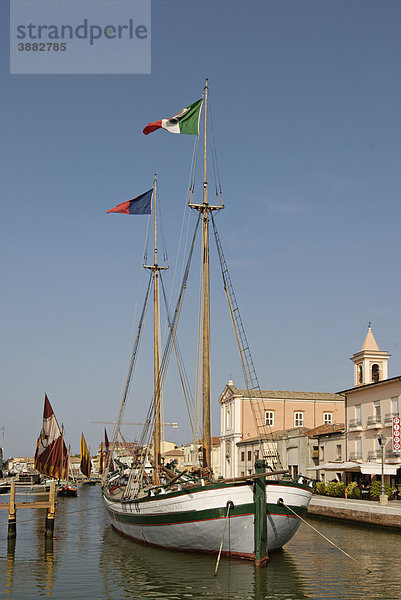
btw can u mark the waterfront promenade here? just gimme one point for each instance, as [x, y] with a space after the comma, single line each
[363, 511]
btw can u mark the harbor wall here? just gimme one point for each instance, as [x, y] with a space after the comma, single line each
[357, 511]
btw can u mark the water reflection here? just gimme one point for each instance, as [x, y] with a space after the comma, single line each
[330, 575]
[10, 565]
[87, 559]
[126, 566]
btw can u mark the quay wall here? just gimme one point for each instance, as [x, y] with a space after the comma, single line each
[357, 510]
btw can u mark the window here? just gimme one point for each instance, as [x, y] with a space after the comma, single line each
[375, 373]
[322, 453]
[358, 412]
[377, 411]
[327, 418]
[228, 418]
[269, 418]
[339, 452]
[256, 454]
[394, 406]
[298, 419]
[359, 447]
[360, 374]
[242, 456]
[249, 454]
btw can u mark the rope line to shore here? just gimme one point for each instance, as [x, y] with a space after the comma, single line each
[323, 536]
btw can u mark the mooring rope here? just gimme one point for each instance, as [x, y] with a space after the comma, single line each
[229, 505]
[281, 503]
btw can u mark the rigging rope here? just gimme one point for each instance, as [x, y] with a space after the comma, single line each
[181, 367]
[170, 340]
[128, 380]
[218, 190]
[267, 446]
[280, 502]
[230, 504]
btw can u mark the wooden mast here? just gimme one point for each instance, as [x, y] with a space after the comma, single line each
[206, 441]
[156, 350]
[156, 326]
[62, 453]
[205, 208]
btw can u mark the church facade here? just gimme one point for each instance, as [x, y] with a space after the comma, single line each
[244, 415]
[372, 405]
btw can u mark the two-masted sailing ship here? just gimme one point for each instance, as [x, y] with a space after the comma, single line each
[244, 517]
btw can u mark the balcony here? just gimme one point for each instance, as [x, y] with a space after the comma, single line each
[374, 454]
[390, 454]
[355, 425]
[374, 422]
[388, 418]
[355, 456]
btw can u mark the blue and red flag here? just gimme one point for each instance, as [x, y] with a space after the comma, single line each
[141, 205]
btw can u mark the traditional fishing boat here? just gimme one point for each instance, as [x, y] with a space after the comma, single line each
[245, 517]
[51, 455]
[68, 488]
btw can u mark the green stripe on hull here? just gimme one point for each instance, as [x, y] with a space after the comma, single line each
[192, 516]
[213, 486]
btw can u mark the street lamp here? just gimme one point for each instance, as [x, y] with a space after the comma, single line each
[382, 442]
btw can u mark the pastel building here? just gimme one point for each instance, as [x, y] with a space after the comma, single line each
[244, 415]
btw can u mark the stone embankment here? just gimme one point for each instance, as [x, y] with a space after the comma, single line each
[362, 511]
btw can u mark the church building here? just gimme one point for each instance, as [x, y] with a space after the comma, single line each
[245, 415]
[372, 407]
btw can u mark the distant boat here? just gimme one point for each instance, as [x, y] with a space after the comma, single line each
[4, 488]
[52, 456]
[67, 488]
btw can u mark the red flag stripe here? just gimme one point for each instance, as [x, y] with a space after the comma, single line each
[152, 127]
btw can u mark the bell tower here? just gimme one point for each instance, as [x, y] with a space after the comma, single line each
[370, 363]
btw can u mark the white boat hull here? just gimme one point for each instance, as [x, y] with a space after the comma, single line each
[194, 519]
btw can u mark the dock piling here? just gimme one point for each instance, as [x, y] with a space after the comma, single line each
[12, 514]
[49, 524]
[260, 517]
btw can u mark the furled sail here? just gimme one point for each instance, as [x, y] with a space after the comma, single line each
[51, 456]
[85, 464]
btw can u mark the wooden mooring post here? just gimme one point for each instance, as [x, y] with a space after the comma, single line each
[13, 506]
[12, 514]
[49, 525]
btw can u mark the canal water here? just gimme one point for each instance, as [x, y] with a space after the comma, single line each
[88, 560]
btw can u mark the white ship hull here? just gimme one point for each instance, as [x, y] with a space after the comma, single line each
[194, 519]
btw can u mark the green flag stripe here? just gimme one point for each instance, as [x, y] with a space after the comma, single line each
[189, 123]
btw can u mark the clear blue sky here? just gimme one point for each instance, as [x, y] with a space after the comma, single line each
[306, 102]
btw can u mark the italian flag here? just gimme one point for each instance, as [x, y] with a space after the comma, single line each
[187, 121]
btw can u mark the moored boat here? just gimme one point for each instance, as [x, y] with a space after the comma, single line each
[51, 456]
[245, 517]
[193, 518]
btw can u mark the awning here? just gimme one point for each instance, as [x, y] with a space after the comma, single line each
[349, 466]
[376, 468]
[333, 466]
